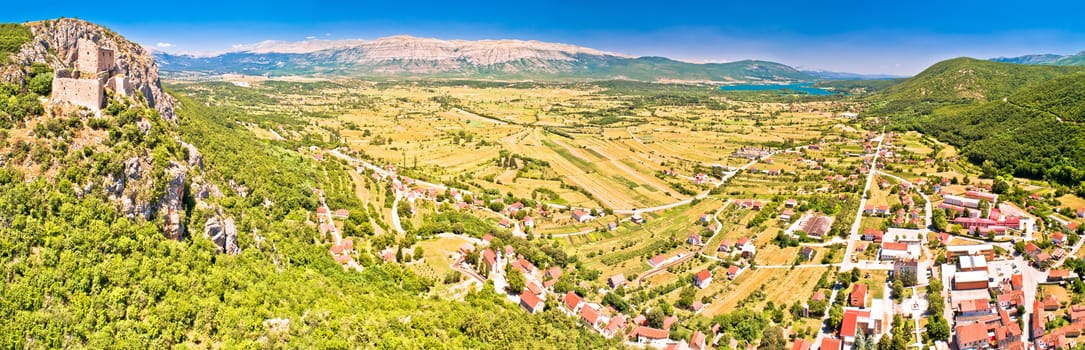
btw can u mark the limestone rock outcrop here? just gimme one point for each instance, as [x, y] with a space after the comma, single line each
[224, 233]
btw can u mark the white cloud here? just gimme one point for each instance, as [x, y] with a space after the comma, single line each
[310, 37]
[164, 45]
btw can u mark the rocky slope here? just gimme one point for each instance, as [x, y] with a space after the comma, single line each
[54, 43]
[514, 59]
[154, 171]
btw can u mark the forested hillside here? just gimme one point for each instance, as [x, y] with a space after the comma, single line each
[1061, 97]
[1010, 118]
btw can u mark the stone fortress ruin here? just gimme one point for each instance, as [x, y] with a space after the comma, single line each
[93, 71]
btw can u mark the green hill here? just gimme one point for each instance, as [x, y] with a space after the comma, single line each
[1016, 119]
[967, 79]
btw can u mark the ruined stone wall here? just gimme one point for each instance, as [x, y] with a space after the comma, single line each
[119, 85]
[92, 58]
[80, 92]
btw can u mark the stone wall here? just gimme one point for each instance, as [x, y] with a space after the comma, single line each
[80, 92]
[92, 58]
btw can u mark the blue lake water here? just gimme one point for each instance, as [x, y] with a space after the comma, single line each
[805, 88]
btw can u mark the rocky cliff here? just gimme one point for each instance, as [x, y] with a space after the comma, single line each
[55, 43]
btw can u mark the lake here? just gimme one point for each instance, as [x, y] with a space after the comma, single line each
[805, 88]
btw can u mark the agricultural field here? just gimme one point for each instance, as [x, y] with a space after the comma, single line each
[690, 169]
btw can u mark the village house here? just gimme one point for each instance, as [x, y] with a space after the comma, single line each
[786, 215]
[654, 337]
[1011, 300]
[725, 247]
[694, 239]
[616, 281]
[657, 260]
[590, 315]
[807, 253]
[582, 216]
[972, 336]
[732, 272]
[702, 279]
[829, 343]
[531, 302]
[614, 326]
[973, 308]
[873, 235]
[697, 340]
[857, 298]
[869, 322]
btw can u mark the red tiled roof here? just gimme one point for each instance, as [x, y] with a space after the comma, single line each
[530, 299]
[829, 344]
[697, 339]
[971, 333]
[669, 321]
[615, 323]
[650, 333]
[704, 275]
[894, 246]
[534, 287]
[589, 314]
[572, 300]
[975, 305]
[848, 324]
[801, 344]
[489, 256]
[859, 290]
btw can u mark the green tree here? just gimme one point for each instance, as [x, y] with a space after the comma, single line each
[772, 339]
[937, 327]
[42, 84]
[515, 279]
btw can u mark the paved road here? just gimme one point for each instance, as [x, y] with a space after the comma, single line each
[854, 234]
[825, 330]
[395, 214]
[664, 267]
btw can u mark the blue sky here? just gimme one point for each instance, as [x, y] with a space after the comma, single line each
[892, 37]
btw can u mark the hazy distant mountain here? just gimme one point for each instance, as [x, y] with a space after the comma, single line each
[1030, 59]
[497, 59]
[829, 75]
[1077, 59]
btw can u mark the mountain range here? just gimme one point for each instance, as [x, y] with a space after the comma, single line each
[1077, 59]
[492, 59]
